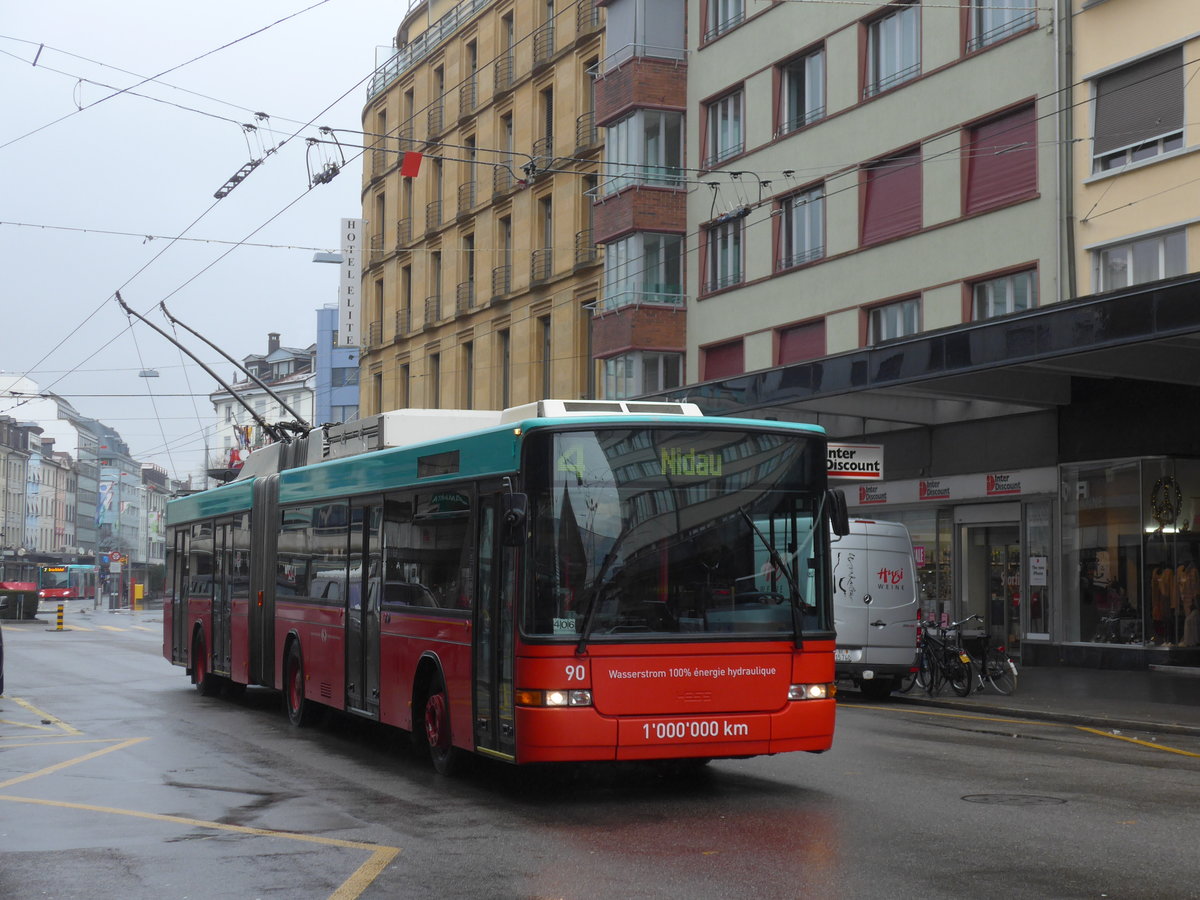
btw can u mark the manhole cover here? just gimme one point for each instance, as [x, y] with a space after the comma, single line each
[1013, 799]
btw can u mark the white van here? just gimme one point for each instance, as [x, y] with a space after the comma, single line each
[875, 607]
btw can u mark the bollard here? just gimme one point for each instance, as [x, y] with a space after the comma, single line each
[60, 618]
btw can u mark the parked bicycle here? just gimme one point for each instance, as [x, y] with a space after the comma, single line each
[990, 664]
[940, 660]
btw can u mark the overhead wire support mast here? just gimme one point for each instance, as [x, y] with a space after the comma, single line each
[301, 422]
[275, 432]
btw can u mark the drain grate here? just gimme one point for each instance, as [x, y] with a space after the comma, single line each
[1013, 799]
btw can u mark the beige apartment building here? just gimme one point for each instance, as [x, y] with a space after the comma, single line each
[1134, 172]
[481, 274]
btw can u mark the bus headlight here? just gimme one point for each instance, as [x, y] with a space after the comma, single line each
[574, 697]
[811, 691]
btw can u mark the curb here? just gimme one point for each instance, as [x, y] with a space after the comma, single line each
[1107, 723]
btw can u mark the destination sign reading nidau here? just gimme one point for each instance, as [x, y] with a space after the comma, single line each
[857, 461]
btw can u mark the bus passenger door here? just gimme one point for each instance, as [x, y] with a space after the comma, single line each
[364, 589]
[494, 633]
[222, 578]
[178, 598]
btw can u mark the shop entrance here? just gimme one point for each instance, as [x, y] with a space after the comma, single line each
[991, 578]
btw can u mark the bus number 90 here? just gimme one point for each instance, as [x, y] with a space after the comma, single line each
[575, 673]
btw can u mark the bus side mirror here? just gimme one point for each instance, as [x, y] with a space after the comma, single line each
[515, 512]
[839, 516]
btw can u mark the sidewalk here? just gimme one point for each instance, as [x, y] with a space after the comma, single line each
[1147, 700]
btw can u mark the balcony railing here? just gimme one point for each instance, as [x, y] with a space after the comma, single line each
[544, 146]
[502, 180]
[468, 96]
[503, 73]
[464, 298]
[651, 294]
[404, 321]
[404, 135]
[433, 310]
[404, 234]
[375, 245]
[399, 61]
[586, 251]
[501, 281]
[586, 132]
[466, 198]
[587, 16]
[381, 158]
[433, 215]
[541, 265]
[435, 119]
[543, 44]
[374, 335]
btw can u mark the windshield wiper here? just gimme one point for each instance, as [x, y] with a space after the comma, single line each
[598, 584]
[780, 566]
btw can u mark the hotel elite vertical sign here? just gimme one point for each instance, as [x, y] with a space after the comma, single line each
[349, 334]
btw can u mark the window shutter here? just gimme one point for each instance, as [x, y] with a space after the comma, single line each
[892, 197]
[801, 343]
[724, 360]
[1139, 102]
[1001, 161]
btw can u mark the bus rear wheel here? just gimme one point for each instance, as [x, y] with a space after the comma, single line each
[446, 758]
[300, 710]
[202, 677]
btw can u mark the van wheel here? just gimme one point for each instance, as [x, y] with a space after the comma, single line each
[878, 688]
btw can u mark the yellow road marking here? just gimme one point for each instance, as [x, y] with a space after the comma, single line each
[1150, 744]
[1046, 724]
[144, 628]
[350, 889]
[58, 767]
[52, 720]
[111, 628]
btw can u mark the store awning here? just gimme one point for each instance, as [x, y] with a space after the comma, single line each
[1010, 365]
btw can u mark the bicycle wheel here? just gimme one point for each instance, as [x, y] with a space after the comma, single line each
[958, 673]
[1001, 672]
[932, 673]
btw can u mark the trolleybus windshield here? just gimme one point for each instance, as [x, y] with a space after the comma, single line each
[675, 533]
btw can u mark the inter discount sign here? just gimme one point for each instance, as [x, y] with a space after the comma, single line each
[857, 461]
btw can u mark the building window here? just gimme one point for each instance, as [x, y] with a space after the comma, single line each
[547, 356]
[994, 20]
[644, 267]
[1135, 262]
[800, 343]
[1139, 111]
[403, 384]
[724, 129]
[723, 15]
[723, 360]
[893, 320]
[434, 390]
[891, 197]
[1004, 295]
[893, 49]
[801, 92]
[504, 363]
[468, 358]
[723, 265]
[644, 148]
[642, 372]
[1001, 161]
[801, 228]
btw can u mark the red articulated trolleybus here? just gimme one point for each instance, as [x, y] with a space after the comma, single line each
[563, 581]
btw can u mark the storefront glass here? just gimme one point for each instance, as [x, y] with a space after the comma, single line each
[1131, 547]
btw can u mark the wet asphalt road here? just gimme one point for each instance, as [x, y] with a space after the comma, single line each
[118, 779]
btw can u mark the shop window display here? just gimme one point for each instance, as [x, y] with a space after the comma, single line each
[1136, 547]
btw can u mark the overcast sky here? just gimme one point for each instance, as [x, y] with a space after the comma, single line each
[89, 198]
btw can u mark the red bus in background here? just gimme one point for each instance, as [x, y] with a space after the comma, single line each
[574, 581]
[68, 582]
